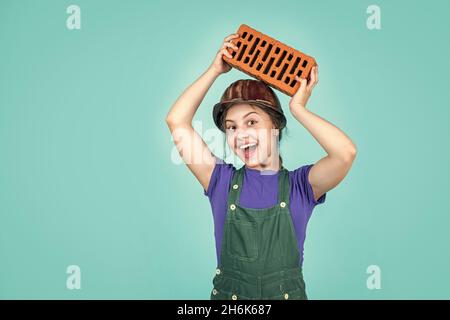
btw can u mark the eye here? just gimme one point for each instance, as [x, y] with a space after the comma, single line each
[251, 122]
[230, 128]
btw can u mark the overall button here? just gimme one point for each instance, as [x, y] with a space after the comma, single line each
[235, 186]
[234, 297]
[286, 296]
[232, 207]
[282, 204]
[214, 291]
[217, 271]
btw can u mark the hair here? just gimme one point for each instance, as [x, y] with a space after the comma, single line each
[277, 120]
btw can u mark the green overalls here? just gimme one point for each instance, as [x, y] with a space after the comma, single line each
[259, 253]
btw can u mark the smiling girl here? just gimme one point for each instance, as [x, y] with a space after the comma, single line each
[260, 210]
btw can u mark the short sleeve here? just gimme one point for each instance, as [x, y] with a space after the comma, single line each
[220, 178]
[305, 188]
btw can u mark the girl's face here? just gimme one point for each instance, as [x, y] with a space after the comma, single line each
[251, 135]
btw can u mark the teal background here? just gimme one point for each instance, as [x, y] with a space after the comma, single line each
[86, 175]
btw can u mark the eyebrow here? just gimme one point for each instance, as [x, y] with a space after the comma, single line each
[244, 116]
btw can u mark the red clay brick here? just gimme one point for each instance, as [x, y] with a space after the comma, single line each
[269, 60]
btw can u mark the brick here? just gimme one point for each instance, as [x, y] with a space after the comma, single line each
[269, 60]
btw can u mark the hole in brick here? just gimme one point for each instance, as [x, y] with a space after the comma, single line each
[267, 52]
[299, 73]
[263, 44]
[293, 83]
[254, 58]
[258, 67]
[234, 52]
[272, 74]
[277, 50]
[242, 52]
[305, 62]
[250, 37]
[297, 61]
[246, 60]
[290, 57]
[253, 46]
[282, 71]
[287, 80]
[281, 58]
[244, 35]
[266, 70]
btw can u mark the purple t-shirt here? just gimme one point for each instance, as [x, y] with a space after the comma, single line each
[259, 191]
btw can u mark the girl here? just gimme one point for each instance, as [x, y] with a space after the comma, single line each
[261, 209]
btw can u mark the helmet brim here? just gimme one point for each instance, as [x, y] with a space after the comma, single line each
[220, 108]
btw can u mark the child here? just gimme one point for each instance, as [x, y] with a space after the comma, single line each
[261, 209]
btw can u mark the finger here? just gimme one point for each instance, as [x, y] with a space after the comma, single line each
[303, 83]
[316, 81]
[312, 81]
[317, 76]
[313, 74]
[225, 52]
[231, 45]
[231, 36]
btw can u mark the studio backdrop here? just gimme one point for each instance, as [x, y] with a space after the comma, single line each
[96, 204]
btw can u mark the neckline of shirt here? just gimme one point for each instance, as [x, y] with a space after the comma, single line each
[267, 172]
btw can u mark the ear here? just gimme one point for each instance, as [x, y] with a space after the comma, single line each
[275, 130]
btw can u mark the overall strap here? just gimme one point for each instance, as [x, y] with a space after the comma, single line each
[236, 186]
[283, 186]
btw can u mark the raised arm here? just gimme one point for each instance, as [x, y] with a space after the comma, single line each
[191, 147]
[329, 171]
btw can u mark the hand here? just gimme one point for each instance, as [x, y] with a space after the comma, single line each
[300, 98]
[219, 65]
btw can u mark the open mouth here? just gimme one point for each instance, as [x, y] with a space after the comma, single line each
[249, 149]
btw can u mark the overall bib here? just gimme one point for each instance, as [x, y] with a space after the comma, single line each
[259, 253]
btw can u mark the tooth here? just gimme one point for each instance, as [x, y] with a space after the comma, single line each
[247, 145]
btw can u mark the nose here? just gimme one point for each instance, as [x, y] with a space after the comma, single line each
[242, 134]
[241, 137]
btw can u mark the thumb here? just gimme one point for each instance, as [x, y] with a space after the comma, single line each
[302, 81]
